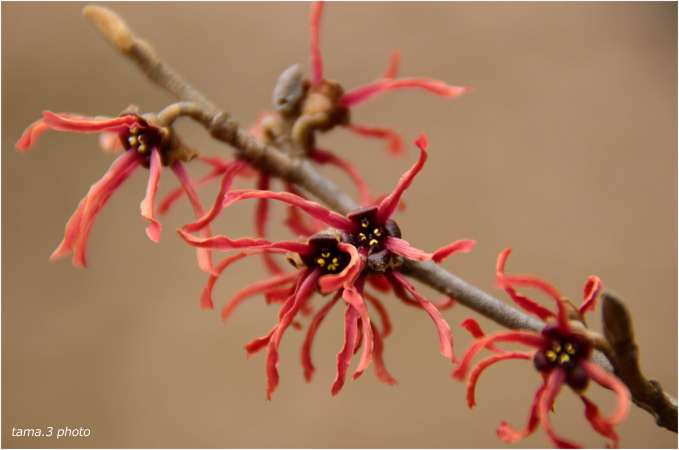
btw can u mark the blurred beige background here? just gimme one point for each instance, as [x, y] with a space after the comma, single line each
[566, 150]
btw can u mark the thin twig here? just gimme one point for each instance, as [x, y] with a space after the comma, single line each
[300, 172]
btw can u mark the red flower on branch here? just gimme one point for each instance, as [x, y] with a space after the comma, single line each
[561, 355]
[358, 95]
[145, 145]
[366, 247]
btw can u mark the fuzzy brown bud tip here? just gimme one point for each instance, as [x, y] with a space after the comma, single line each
[111, 26]
[617, 322]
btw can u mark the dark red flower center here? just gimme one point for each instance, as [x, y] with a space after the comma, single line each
[326, 256]
[562, 353]
[370, 235]
[142, 138]
[565, 351]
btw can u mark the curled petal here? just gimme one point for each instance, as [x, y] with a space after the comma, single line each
[255, 288]
[66, 122]
[384, 317]
[296, 223]
[446, 303]
[394, 63]
[279, 295]
[510, 435]
[204, 255]
[344, 356]
[218, 165]
[403, 248]
[227, 181]
[315, 210]
[445, 336]
[94, 205]
[482, 365]
[380, 283]
[325, 157]
[80, 223]
[599, 424]
[206, 296]
[154, 229]
[520, 299]
[305, 356]
[528, 338]
[532, 281]
[347, 276]
[553, 384]
[306, 287]
[390, 202]
[316, 58]
[474, 328]
[352, 296]
[223, 243]
[401, 294]
[538, 283]
[72, 232]
[363, 93]
[460, 246]
[592, 288]
[261, 216]
[394, 140]
[359, 341]
[610, 381]
[30, 135]
[381, 371]
[176, 193]
[256, 345]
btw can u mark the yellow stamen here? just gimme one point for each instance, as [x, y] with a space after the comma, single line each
[321, 262]
[377, 232]
[373, 242]
[557, 348]
[551, 355]
[134, 130]
[335, 261]
[132, 140]
[332, 267]
[362, 236]
[569, 349]
[564, 358]
[325, 255]
[364, 224]
[141, 148]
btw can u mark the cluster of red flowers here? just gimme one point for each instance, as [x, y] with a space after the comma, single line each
[561, 356]
[334, 255]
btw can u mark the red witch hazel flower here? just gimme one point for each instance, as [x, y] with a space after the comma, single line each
[327, 105]
[145, 145]
[561, 355]
[365, 246]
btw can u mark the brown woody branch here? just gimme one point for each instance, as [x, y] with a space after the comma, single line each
[622, 351]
